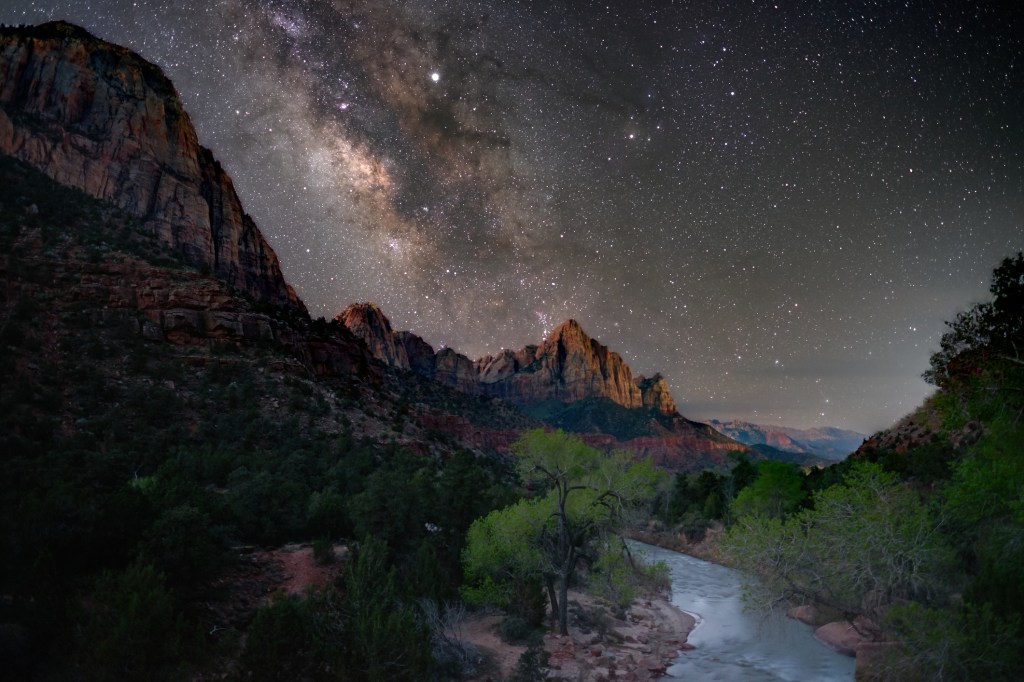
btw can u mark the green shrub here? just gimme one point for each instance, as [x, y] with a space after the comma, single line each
[323, 551]
[518, 631]
[279, 641]
[133, 629]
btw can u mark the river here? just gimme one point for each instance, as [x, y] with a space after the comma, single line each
[735, 644]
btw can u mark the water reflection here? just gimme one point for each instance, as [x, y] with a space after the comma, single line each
[734, 644]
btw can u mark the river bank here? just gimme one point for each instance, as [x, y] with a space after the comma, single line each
[706, 548]
[636, 644]
[859, 639]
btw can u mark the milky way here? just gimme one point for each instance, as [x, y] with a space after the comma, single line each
[776, 205]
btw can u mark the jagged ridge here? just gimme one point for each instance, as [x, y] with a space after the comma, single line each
[568, 366]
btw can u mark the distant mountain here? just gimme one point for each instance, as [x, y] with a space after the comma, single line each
[827, 442]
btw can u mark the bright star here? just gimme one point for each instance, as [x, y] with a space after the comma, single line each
[435, 76]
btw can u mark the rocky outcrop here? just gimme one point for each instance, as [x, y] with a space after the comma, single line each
[99, 118]
[923, 427]
[367, 322]
[419, 352]
[569, 381]
[184, 309]
[846, 637]
[655, 394]
[455, 370]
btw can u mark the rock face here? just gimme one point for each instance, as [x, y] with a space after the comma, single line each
[567, 367]
[419, 352]
[655, 394]
[99, 118]
[367, 322]
[569, 381]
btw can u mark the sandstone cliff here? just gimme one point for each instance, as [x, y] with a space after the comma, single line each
[99, 118]
[568, 366]
[367, 322]
[655, 394]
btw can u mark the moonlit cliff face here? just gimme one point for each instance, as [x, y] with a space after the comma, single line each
[775, 206]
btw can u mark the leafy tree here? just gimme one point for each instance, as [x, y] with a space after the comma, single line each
[584, 497]
[743, 474]
[278, 641]
[866, 544]
[504, 559]
[183, 543]
[986, 334]
[968, 643]
[777, 491]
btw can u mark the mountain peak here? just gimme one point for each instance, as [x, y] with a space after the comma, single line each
[51, 29]
[367, 322]
[570, 326]
[367, 312]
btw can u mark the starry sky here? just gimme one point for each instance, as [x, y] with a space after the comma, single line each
[776, 204]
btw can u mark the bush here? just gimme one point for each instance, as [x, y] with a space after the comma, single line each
[323, 552]
[278, 643]
[532, 665]
[971, 643]
[519, 631]
[133, 629]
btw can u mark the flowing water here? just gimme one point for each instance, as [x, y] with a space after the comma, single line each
[735, 644]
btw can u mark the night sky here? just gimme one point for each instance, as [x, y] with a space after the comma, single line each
[774, 204]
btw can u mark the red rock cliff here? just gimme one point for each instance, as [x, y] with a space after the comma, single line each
[100, 118]
[367, 322]
[568, 366]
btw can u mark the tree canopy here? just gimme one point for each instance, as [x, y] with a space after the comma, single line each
[777, 491]
[865, 545]
[992, 331]
[582, 497]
